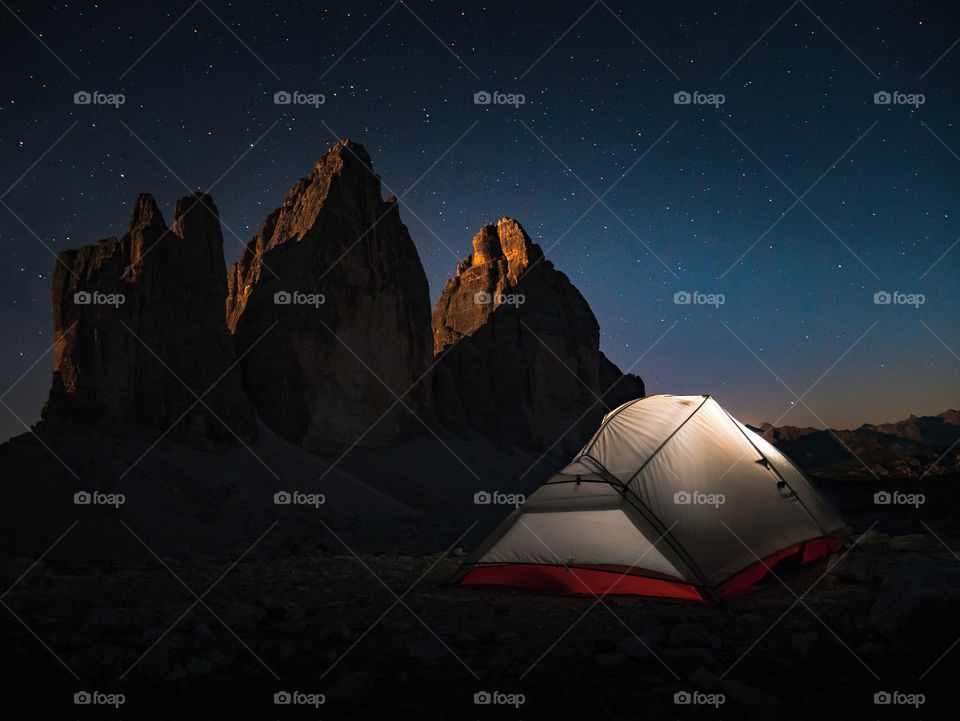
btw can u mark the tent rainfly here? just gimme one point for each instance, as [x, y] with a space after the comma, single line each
[671, 498]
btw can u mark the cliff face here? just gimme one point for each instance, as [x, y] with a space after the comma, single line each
[139, 318]
[502, 252]
[330, 309]
[332, 339]
[520, 348]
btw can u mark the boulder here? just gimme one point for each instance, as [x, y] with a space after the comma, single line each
[908, 542]
[856, 567]
[920, 601]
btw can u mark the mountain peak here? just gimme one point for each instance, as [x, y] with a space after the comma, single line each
[336, 241]
[144, 212]
[521, 347]
[156, 337]
[345, 151]
[196, 215]
[505, 241]
[342, 185]
[145, 229]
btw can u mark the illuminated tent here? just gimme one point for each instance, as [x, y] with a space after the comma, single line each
[671, 497]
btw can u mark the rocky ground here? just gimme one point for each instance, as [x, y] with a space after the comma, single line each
[380, 634]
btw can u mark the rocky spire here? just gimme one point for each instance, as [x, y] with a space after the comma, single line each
[520, 347]
[333, 286]
[136, 316]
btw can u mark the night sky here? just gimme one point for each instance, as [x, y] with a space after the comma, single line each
[704, 197]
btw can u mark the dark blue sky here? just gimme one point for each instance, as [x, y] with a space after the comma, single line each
[701, 208]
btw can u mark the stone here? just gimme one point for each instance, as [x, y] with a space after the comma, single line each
[744, 695]
[685, 634]
[872, 538]
[920, 601]
[910, 542]
[800, 645]
[704, 679]
[872, 649]
[177, 673]
[16, 570]
[241, 613]
[199, 667]
[335, 632]
[690, 658]
[858, 567]
[610, 659]
[636, 649]
[427, 650]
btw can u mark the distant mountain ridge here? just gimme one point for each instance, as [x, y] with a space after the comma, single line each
[913, 447]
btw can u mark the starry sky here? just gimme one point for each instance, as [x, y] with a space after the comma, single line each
[796, 199]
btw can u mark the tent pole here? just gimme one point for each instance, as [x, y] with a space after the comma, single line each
[779, 475]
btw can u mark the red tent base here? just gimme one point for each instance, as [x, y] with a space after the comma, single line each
[800, 554]
[599, 581]
[578, 581]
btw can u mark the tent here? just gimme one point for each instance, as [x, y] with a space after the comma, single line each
[672, 498]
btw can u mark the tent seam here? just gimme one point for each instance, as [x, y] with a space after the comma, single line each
[667, 440]
[653, 519]
[603, 425]
[779, 475]
[637, 503]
